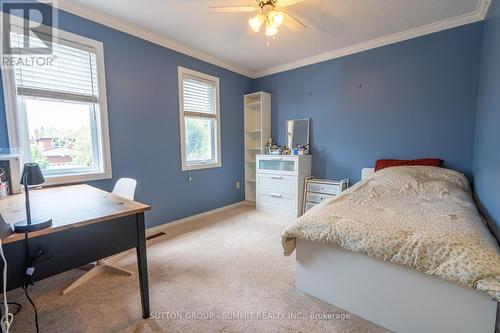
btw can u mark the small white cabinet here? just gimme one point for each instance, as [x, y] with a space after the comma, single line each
[319, 190]
[280, 183]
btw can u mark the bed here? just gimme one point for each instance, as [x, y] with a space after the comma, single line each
[404, 248]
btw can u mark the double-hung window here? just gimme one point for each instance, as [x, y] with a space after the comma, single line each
[58, 114]
[199, 120]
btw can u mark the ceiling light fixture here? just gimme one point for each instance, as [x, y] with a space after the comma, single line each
[271, 30]
[272, 13]
[272, 18]
[276, 18]
[256, 22]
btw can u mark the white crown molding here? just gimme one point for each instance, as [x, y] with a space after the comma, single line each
[150, 36]
[477, 15]
[483, 7]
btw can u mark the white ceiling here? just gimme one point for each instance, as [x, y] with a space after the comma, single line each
[335, 27]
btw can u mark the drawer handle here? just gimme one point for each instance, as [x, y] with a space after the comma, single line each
[274, 195]
[276, 177]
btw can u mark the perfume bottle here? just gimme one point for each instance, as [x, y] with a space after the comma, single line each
[268, 146]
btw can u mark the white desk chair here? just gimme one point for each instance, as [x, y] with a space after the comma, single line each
[124, 187]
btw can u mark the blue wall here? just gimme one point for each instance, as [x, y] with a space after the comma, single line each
[143, 107]
[487, 145]
[412, 99]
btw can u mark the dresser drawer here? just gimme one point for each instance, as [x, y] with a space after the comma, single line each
[324, 188]
[317, 197]
[309, 205]
[283, 165]
[278, 183]
[278, 203]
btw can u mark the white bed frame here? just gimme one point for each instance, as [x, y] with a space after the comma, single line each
[390, 295]
[393, 296]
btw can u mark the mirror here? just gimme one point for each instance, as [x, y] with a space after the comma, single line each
[297, 132]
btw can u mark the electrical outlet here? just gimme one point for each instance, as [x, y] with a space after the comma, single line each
[237, 185]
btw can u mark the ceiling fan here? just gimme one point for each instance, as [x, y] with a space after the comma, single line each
[271, 13]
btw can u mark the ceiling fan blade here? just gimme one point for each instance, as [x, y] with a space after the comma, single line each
[293, 23]
[233, 9]
[287, 3]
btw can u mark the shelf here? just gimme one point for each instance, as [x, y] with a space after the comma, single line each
[254, 148]
[254, 131]
[251, 180]
[253, 104]
[254, 95]
[251, 162]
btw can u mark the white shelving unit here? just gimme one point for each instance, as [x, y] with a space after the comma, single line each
[257, 133]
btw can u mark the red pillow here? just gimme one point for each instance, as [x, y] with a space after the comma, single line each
[381, 164]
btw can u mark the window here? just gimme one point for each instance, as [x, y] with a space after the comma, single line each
[59, 115]
[199, 120]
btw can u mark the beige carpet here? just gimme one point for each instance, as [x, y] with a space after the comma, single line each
[224, 266]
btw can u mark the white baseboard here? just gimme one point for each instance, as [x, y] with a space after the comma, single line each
[164, 227]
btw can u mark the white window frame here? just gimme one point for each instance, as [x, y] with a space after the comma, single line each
[201, 165]
[14, 123]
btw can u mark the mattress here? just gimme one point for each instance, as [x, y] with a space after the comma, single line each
[420, 217]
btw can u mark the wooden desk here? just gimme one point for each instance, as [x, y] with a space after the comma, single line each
[87, 224]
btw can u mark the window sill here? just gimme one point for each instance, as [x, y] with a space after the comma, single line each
[76, 178]
[201, 166]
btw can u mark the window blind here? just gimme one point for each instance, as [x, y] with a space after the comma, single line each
[199, 96]
[72, 76]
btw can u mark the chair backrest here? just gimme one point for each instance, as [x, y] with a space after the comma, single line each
[125, 187]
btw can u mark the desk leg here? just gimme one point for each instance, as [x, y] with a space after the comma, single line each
[142, 265]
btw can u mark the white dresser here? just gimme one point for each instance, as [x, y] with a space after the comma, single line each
[280, 183]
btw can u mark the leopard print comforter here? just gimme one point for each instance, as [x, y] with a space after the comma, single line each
[420, 217]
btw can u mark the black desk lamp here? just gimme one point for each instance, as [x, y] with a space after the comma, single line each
[32, 175]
